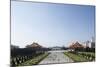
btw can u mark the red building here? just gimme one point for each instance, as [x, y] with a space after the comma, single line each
[76, 45]
[34, 45]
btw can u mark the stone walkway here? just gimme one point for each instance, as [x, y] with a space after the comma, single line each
[56, 57]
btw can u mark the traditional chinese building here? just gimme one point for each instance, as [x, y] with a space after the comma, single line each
[34, 45]
[76, 45]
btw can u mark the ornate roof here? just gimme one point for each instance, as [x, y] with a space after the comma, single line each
[76, 45]
[34, 45]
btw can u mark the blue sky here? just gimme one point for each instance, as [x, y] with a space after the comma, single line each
[50, 24]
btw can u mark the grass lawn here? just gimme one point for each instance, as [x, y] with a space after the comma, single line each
[35, 60]
[92, 53]
[75, 57]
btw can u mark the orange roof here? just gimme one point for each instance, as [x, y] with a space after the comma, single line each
[76, 45]
[34, 45]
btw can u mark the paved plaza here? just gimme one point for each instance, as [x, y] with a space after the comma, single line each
[56, 57]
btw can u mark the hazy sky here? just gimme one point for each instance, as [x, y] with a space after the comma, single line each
[50, 24]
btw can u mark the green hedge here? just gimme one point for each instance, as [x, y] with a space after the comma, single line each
[75, 57]
[35, 60]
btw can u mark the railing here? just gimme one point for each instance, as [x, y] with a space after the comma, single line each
[19, 56]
